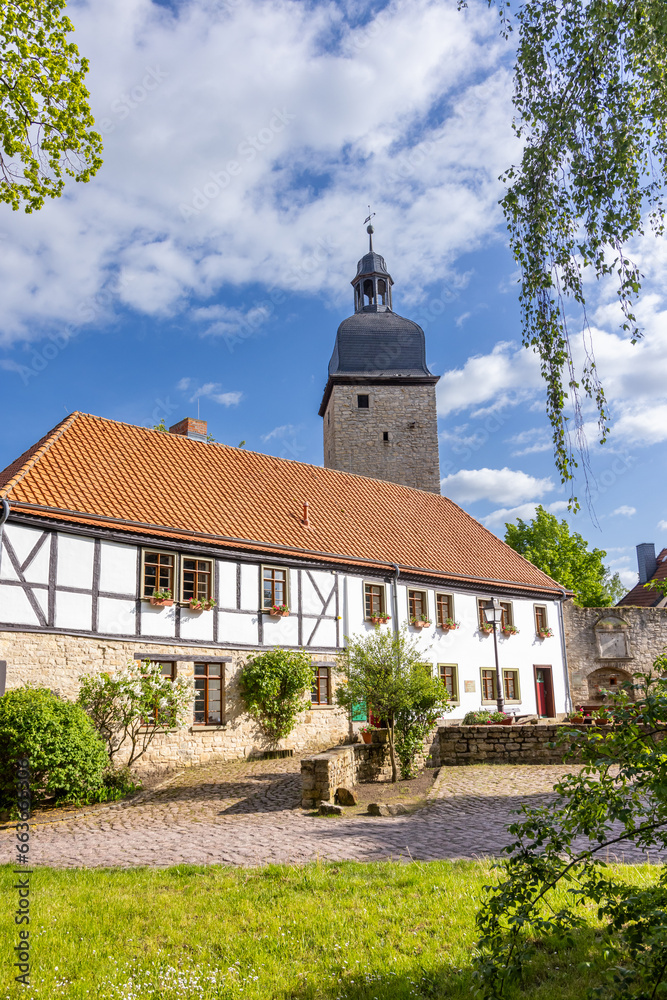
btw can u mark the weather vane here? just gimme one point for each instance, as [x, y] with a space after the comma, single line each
[369, 229]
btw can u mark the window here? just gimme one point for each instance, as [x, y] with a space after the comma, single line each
[444, 607]
[417, 603]
[321, 689]
[449, 677]
[196, 579]
[385, 435]
[489, 685]
[362, 401]
[156, 718]
[158, 572]
[511, 685]
[508, 614]
[274, 586]
[374, 600]
[481, 602]
[541, 620]
[208, 694]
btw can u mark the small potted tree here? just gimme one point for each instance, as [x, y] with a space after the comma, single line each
[279, 611]
[161, 598]
[420, 621]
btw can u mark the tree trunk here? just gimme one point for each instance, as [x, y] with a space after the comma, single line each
[392, 754]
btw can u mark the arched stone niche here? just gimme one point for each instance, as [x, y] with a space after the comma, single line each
[606, 681]
[612, 637]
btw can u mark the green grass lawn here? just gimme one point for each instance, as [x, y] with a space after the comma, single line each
[379, 931]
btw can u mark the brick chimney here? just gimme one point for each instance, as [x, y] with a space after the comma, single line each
[646, 561]
[190, 428]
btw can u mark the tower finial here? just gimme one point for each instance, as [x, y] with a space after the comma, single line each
[369, 229]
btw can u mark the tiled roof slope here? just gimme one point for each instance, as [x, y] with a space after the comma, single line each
[97, 471]
[644, 597]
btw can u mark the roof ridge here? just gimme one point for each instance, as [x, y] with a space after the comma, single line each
[33, 458]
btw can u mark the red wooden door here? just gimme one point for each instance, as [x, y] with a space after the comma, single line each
[541, 688]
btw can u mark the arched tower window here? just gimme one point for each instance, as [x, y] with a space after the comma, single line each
[369, 292]
[382, 291]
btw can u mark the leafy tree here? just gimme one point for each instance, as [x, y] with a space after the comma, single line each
[565, 556]
[382, 670]
[68, 760]
[132, 705]
[617, 801]
[274, 685]
[46, 125]
[590, 96]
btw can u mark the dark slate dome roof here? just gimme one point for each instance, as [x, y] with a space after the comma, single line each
[379, 343]
[372, 263]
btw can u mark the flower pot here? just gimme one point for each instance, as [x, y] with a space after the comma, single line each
[158, 602]
[367, 737]
[420, 625]
[507, 722]
[544, 635]
[378, 621]
[602, 722]
[486, 631]
[279, 614]
[448, 628]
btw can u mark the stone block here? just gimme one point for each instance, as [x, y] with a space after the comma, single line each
[345, 796]
[330, 810]
[396, 809]
[378, 809]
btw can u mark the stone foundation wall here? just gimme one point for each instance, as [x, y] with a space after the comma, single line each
[357, 763]
[500, 744]
[59, 661]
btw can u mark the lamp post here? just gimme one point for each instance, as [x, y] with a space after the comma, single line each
[493, 614]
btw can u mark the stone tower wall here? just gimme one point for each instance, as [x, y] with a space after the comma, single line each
[353, 437]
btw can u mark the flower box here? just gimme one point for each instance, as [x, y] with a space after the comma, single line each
[206, 605]
[161, 602]
[545, 633]
[278, 613]
[379, 619]
[486, 629]
[509, 630]
[448, 626]
[418, 623]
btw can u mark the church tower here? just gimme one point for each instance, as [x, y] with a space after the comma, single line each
[379, 402]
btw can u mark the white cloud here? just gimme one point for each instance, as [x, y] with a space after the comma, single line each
[280, 432]
[662, 525]
[210, 391]
[498, 518]
[507, 376]
[530, 442]
[624, 511]
[231, 111]
[501, 485]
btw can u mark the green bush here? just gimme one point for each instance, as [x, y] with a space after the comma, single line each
[483, 717]
[273, 685]
[68, 760]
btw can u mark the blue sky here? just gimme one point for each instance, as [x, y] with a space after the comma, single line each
[208, 263]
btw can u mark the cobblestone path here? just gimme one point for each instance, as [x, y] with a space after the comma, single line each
[248, 813]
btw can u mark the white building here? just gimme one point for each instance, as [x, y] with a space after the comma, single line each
[102, 514]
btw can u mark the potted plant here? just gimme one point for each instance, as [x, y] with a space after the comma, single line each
[420, 621]
[379, 619]
[449, 625]
[486, 628]
[509, 630]
[602, 717]
[202, 604]
[161, 598]
[279, 611]
[545, 633]
[577, 717]
[367, 732]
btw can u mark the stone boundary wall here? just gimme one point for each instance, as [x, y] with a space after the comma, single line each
[501, 744]
[353, 764]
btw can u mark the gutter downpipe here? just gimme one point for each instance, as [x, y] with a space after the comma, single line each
[561, 622]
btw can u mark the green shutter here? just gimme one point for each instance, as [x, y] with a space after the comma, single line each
[359, 713]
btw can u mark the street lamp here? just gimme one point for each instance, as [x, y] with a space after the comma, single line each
[493, 615]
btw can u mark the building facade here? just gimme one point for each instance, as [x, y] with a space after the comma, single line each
[117, 533]
[379, 407]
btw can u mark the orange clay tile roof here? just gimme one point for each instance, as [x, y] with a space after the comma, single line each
[94, 471]
[644, 597]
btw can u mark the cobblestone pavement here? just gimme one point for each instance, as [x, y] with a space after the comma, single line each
[248, 813]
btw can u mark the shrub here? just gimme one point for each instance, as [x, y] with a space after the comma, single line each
[132, 705]
[483, 717]
[273, 685]
[68, 759]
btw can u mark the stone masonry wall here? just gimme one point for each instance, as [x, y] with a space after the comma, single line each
[499, 744]
[353, 437]
[58, 661]
[357, 763]
[646, 639]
